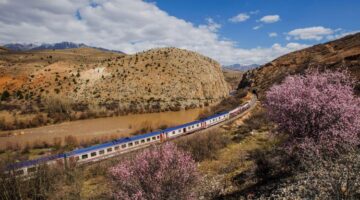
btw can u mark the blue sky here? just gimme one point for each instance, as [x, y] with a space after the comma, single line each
[333, 14]
[229, 31]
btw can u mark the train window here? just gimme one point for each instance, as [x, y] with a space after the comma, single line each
[153, 138]
[148, 140]
[31, 169]
[130, 144]
[101, 152]
[137, 142]
[109, 150]
[158, 137]
[173, 132]
[117, 148]
[142, 141]
[93, 154]
[84, 156]
[19, 172]
[192, 127]
[123, 146]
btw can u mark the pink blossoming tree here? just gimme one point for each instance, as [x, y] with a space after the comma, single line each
[162, 172]
[317, 111]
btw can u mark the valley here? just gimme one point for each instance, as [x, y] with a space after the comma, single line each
[45, 87]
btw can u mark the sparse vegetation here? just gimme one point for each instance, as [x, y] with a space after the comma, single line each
[204, 146]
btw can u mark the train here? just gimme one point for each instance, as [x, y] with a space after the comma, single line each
[119, 146]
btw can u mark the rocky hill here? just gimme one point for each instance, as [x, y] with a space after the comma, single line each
[343, 53]
[154, 80]
[3, 49]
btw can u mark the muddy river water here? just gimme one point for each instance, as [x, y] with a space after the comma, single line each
[90, 128]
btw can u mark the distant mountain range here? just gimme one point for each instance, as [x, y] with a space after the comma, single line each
[60, 45]
[240, 67]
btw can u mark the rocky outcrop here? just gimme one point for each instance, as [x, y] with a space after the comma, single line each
[166, 78]
[340, 54]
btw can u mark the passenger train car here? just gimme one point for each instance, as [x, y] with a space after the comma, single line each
[123, 145]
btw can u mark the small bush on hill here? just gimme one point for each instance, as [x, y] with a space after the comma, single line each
[5, 96]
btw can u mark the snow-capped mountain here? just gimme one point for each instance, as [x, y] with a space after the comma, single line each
[242, 67]
[60, 45]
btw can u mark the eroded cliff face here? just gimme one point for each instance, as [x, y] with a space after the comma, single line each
[166, 78]
[154, 80]
[339, 54]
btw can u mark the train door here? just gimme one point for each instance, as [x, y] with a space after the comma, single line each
[162, 137]
[203, 124]
[184, 130]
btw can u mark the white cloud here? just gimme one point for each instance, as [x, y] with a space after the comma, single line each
[211, 25]
[310, 33]
[126, 25]
[270, 19]
[257, 27]
[240, 18]
[273, 34]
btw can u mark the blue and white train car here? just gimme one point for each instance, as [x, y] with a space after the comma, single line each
[115, 147]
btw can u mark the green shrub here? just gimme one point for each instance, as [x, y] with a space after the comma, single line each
[5, 95]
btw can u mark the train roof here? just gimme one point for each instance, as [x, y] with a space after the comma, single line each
[112, 143]
[216, 115]
[194, 122]
[182, 126]
[34, 161]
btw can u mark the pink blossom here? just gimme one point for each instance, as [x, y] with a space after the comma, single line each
[318, 111]
[162, 172]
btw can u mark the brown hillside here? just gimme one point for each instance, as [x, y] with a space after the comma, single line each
[155, 80]
[343, 53]
[3, 49]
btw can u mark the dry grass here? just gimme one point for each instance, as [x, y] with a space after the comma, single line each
[234, 156]
[204, 145]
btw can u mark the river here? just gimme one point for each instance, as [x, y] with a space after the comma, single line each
[119, 126]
